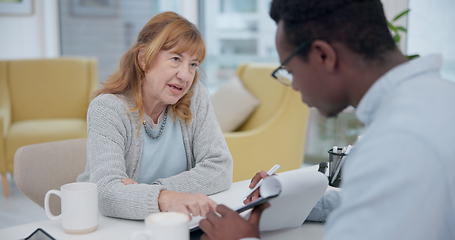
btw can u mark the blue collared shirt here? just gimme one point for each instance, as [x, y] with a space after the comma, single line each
[399, 180]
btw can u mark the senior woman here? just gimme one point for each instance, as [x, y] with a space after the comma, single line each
[152, 124]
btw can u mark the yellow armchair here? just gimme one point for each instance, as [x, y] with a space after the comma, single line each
[275, 132]
[42, 100]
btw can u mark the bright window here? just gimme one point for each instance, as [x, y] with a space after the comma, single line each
[431, 31]
[105, 29]
[236, 32]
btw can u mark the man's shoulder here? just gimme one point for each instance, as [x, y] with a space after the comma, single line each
[417, 116]
[419, 104]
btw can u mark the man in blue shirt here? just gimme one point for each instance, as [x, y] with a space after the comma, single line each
[398, 180]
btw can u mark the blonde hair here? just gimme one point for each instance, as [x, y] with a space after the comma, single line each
[164, 31]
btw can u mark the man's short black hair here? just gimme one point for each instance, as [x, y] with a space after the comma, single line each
[358, 24]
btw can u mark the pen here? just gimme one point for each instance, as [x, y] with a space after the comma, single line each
[332, 164]
[269, 172]
[337, 171]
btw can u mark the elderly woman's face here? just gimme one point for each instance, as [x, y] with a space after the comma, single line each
[170, 76]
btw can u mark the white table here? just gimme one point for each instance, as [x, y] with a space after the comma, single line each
[112, 228]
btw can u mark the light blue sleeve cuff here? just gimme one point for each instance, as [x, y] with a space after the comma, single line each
[329, 201]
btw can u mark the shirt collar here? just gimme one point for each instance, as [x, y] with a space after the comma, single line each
[372, 98]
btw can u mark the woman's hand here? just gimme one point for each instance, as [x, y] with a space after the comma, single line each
[128, 181]
[195, 204]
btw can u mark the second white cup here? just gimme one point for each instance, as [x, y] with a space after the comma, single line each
[164, 226]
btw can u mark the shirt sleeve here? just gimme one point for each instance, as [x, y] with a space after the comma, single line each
[329, 201]
[393, 189]
[106, 147]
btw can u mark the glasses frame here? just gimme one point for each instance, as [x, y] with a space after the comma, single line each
[288, 59]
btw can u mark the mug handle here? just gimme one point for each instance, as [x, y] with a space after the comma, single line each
[143, 235]
[46, 204]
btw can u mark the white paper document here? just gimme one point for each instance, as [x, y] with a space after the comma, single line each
[299, 191]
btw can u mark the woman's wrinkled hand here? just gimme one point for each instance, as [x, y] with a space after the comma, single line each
[128, 181]
[194, 204]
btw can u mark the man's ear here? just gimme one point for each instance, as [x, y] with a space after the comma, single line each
[324, 54]
[141, 58]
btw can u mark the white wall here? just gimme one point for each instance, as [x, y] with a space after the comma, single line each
[31, 36]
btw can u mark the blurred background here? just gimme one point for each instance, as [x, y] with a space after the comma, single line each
[235, 31]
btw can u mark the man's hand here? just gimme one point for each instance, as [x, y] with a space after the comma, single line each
[255, 195]
[229, 225]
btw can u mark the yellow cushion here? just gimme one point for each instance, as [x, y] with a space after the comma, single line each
[36, 84]
[256, 78]
[233, 104]
[45, 130]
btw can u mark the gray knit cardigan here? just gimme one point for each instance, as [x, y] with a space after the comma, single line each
[114, 149]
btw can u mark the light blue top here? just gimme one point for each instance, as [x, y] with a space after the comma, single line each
[162, 157]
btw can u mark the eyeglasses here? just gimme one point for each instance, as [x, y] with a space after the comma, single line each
[283, 75]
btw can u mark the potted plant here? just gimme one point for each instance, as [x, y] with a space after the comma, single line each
[397, 30]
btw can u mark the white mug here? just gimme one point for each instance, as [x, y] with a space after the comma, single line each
[79, 202]
[165, 226]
